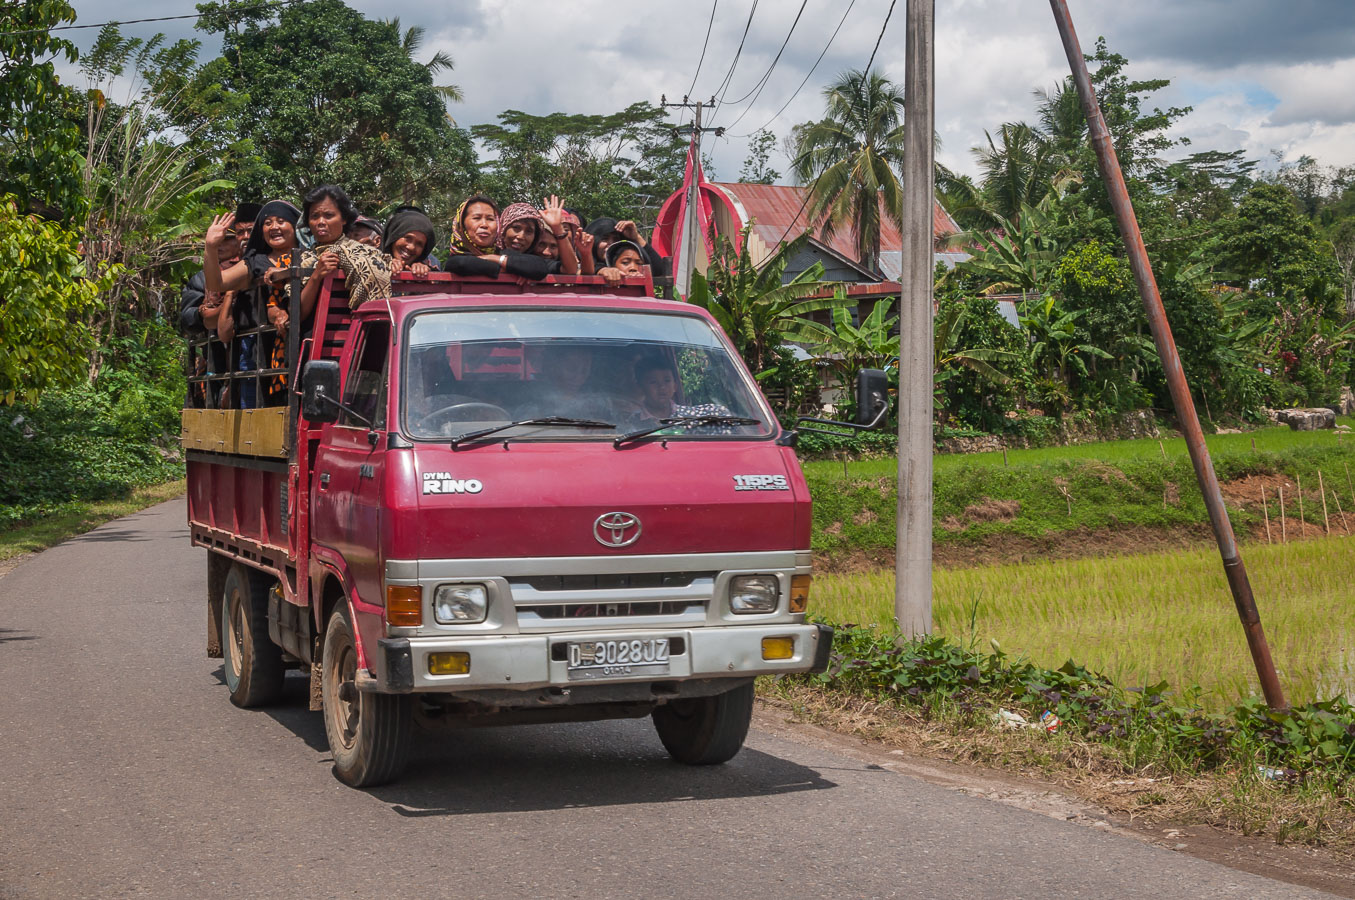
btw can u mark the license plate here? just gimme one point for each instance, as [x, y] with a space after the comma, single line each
[618, 659]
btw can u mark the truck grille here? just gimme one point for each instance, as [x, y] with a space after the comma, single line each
[553, 602]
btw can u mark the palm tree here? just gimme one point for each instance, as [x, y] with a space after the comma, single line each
[851, 157]
[411, 40]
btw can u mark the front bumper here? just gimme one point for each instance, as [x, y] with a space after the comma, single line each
[524, 662]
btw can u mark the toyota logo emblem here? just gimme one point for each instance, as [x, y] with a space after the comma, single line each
[616, 529]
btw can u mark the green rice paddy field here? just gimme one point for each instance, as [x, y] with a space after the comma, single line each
[1140, 618]
[1145, 618]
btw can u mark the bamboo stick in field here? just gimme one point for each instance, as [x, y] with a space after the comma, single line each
[1163, 449]
[1326, 523]
[1266, 510]
[1284, 532]
[1348, 483]
[1303, 524]
[1344, 525]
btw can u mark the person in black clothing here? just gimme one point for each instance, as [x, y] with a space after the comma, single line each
[200, 309]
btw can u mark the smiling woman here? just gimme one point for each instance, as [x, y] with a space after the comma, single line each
[327, 213]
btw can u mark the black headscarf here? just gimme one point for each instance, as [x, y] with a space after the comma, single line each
[280, 208]
[616, 248]
[600, 228]
[401, 222]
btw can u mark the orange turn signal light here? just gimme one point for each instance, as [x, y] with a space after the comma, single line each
[404, 605]
[799, 592]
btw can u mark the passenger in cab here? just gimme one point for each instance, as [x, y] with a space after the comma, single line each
[366, 231]
[408, 241]
[659, 384]
[328, 213]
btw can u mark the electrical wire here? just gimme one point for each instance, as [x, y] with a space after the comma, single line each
[865, 73]
[724, 85]
[139, 21]
[808, 75]
[762, 82]
[704, 44]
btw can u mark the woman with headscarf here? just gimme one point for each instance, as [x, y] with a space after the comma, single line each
[408, 240]
[271, 250]
[328, 212]
[519, 227]
[475, 233]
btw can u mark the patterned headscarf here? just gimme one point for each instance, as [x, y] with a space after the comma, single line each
[462, 245]
[515, 213]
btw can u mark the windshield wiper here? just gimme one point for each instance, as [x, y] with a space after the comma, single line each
[563, 421]
[684, 422]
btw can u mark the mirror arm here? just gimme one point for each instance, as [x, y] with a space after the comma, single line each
[788, 438]
[348, 409]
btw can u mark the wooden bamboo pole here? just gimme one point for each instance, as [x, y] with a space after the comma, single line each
[1321, 489]
[1266, 510]
[1303, 523]
[1344, 525]
[1284, 531]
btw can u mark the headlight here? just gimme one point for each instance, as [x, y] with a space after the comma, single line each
[753, 594]
[460, 604]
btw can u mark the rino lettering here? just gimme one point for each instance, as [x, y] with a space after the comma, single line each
[444, 483]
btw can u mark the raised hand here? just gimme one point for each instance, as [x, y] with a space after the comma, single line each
[632, 233]
[216, 232]
[553, 212]
[585, 241]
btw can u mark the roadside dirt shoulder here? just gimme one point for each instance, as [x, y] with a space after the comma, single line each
[1305, 866]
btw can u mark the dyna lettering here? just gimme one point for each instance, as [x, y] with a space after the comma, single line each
[444, 483]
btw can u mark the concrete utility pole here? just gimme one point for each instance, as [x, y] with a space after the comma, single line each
[1233, 568]
[913, 550]
[689, 234]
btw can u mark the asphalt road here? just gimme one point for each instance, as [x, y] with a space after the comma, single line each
[125, 771]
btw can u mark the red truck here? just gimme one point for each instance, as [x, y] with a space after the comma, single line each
[490, 502]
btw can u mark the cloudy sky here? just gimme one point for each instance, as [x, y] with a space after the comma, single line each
[1265, 76]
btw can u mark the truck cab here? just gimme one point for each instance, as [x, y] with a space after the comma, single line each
[498, 503]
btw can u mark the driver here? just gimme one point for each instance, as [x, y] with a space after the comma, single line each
[566, 372]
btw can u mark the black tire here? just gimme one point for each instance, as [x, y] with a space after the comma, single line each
[705, 731]
[250, 660]
[369, 734]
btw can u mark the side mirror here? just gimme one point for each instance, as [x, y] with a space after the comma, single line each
[320, 391]
[872, 397]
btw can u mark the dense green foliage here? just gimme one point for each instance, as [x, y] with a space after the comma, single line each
[96, 441]
[45, 297]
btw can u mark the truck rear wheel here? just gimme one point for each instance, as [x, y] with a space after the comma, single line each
[252, 663]
[369, 734]
[706, 731]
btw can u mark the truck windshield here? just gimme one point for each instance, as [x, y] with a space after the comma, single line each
[475, 369]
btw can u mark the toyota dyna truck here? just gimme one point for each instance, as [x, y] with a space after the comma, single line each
[488, 502]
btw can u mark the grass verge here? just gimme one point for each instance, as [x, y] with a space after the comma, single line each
[983, 509]
[1289, 774]
[77, 517]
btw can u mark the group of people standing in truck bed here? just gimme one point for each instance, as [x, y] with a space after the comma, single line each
[256, 246]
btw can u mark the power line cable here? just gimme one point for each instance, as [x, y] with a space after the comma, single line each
[808, 75]
[141, 21]
[762, 82]
[850, 112]
[704, 44]
[724, 85]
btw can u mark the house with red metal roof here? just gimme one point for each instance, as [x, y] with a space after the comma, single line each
[777, 212]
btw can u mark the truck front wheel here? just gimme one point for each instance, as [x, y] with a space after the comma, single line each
[705, 731]
[251, 662]
[369, 734]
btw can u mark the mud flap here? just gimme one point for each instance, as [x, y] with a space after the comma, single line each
[824, 650]
[317, 703]
[217, 567]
